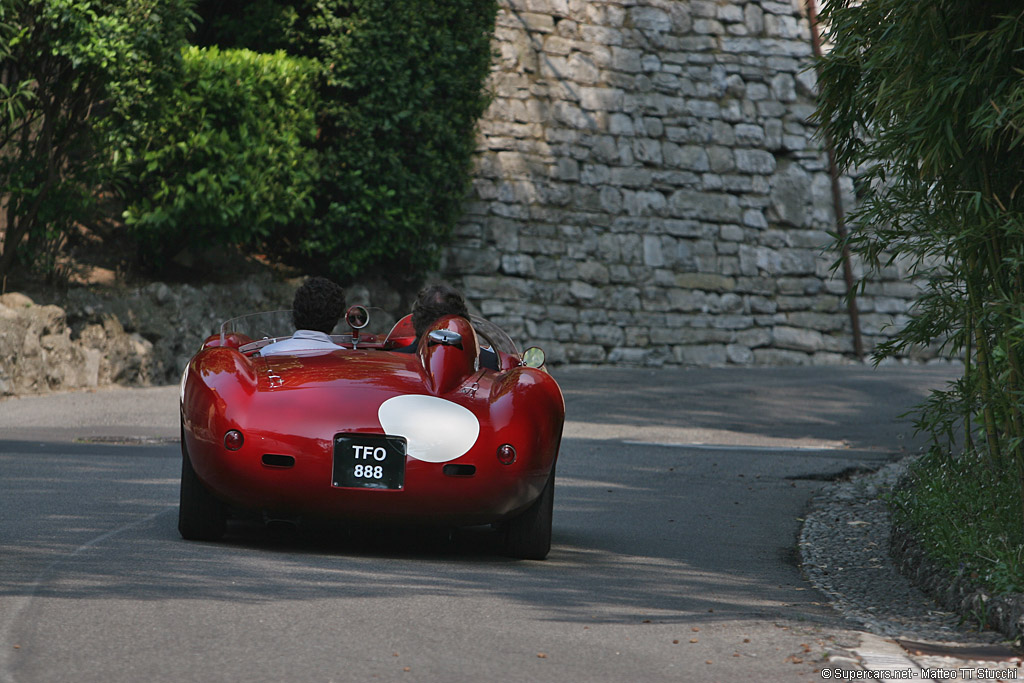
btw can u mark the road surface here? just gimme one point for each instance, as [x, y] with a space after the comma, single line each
[678, 502]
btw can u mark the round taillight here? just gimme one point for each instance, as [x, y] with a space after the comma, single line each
[233, 440]
[506, 454]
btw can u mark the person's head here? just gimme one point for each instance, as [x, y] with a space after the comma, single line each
[436, 301]
[318, 305]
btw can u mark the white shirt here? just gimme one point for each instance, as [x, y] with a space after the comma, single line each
[302, 340]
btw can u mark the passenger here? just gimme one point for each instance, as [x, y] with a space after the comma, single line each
[316, 309]
[434, 302]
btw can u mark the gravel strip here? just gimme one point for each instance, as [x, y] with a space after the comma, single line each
[844, 545]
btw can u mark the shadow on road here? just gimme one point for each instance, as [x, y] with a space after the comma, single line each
[659, 533]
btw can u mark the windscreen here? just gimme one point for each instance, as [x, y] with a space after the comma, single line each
[275, 325]
[493, 336]
[256, 326]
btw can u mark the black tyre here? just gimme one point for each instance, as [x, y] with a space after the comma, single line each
[201, 516]
[528, 536]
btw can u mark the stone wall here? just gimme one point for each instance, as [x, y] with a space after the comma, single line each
[648, 189]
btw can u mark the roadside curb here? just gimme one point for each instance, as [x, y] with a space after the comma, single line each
[1003, 613]
[844, 546]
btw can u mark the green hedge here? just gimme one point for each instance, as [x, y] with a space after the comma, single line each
[401, 92]
[228, 159]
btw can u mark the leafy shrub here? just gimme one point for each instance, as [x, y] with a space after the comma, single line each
[227, 160]
[74, 76]
[401, 93]
[925, 99]
[965, 519]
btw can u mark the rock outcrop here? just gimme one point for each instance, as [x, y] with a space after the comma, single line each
[89, 337]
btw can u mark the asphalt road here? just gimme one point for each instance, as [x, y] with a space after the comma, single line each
[677, 506]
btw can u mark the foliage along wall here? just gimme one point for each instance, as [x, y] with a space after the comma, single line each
[399, 96]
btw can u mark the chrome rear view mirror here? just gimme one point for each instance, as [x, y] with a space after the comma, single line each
[533, 357]
[357, 317]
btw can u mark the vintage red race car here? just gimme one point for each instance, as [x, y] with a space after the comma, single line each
[459, 430]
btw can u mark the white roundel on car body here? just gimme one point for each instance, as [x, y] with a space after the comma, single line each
[437, 430]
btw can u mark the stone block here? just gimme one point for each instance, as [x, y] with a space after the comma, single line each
[738, 354]
[557, 45]
[731, 13]
[703, 8]
[741, 45]
[807, 83]
[611, 199]
[731, 233]
[723, 208]
[531, 21]
[645, 203]
[682, 21]
[627, 60]
[621, 124]
[594, 272]
[630, 177]
[650, 63]
[582, 291]
[585, 353]
[653, 251]
[703, 355]
[790, 195]
[731, 322]
[595, 174]
[628, 356]
[755, 161]
[647, 151]
[753, 17]
[721, 159]
[754, 337]
[566, 169]
[607, 335]
[692, 158]
[708, 27]
[601, 35]
[680, 228]
[650, 19]
[517, 264]
[754, 218]
[780, 357]
[708, 282]
[785, 27]
[654, 126]
[581, 68]
[687, 300]
[749, 134]
[797, 339]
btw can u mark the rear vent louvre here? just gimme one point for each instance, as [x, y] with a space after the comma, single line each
[459, 470]
[274, 460]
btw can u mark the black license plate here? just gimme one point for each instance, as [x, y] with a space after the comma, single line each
[369, 461]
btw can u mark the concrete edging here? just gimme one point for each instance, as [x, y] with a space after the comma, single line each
[1003, 613]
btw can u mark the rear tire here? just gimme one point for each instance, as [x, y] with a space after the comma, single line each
[528, 536]
[201, 516]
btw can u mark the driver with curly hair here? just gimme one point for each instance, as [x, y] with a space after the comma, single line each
[317, 307]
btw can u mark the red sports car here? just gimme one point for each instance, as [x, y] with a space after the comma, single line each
[459, 429]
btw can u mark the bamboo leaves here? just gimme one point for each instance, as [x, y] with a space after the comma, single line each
[926, 99]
